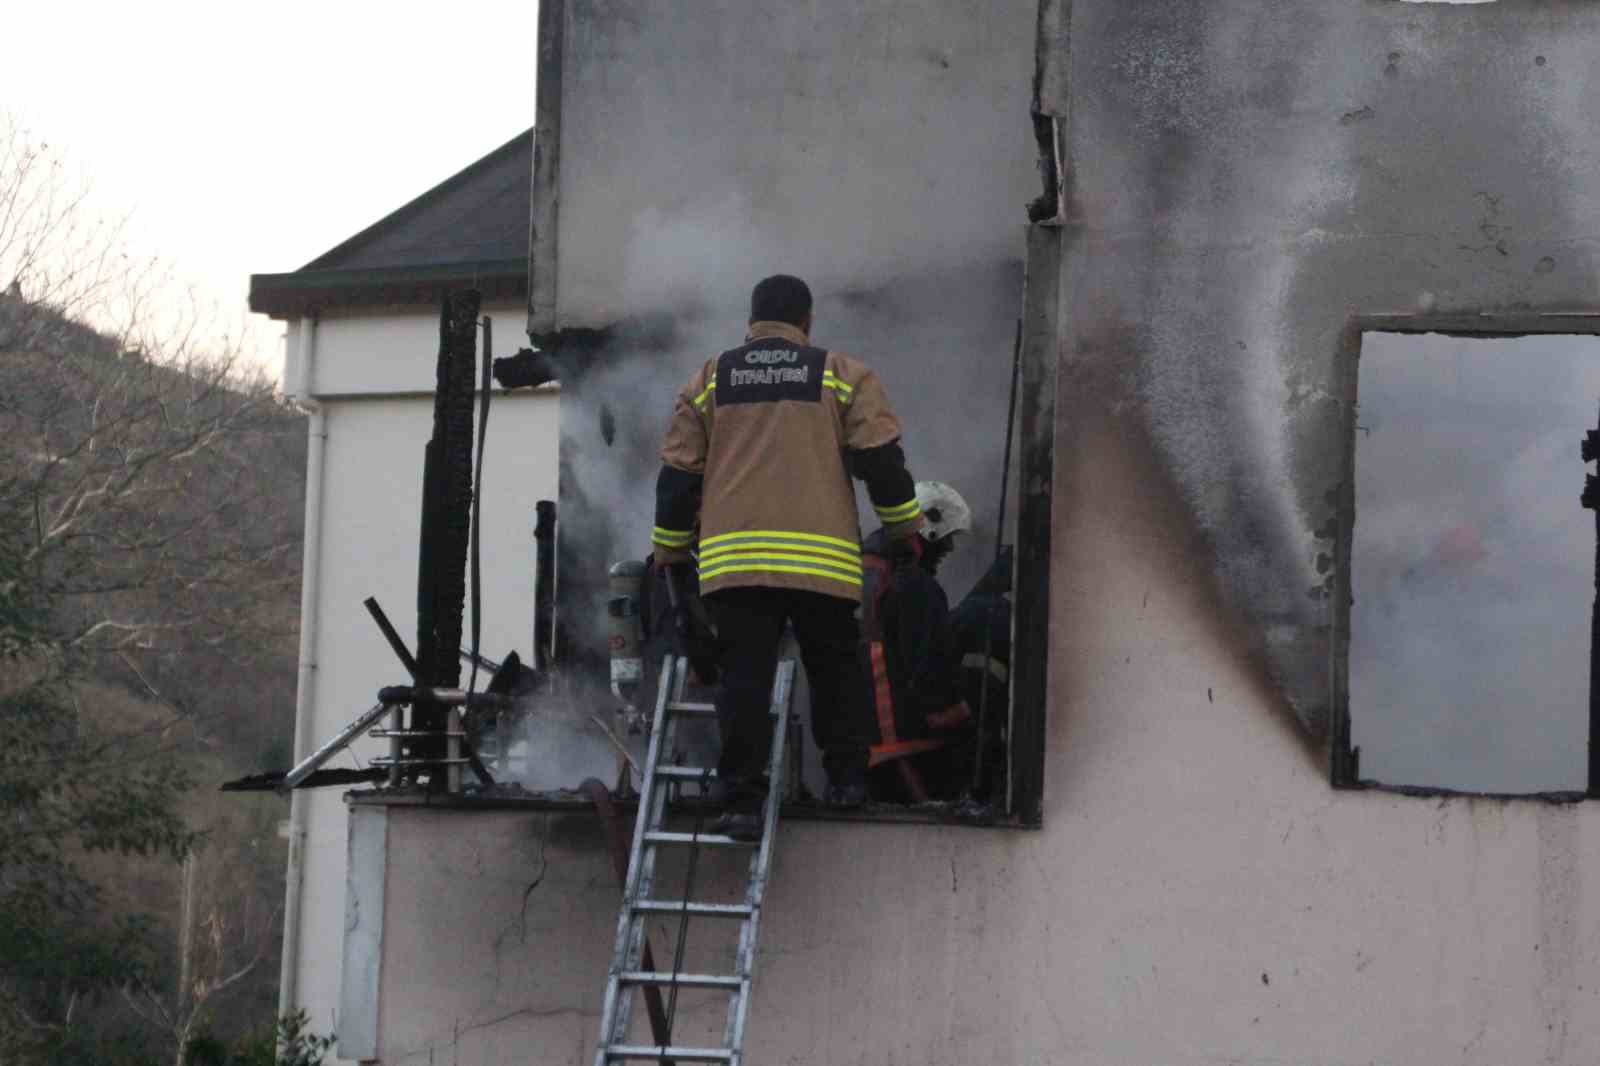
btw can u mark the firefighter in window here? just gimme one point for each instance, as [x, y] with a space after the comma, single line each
[923, 662]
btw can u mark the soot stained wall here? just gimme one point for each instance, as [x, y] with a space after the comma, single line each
[688, 149]
[1244, 180]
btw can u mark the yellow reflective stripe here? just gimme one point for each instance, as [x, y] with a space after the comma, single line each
[844, 391]
[700, 400]
[997, 669]
[782, 534]
[900, 512]
[756, 556]
[707, 575]
[672, 538]
[776, 545]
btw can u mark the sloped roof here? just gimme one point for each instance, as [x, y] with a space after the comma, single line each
[472, 227]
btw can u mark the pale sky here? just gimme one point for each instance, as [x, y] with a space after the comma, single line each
[252, 138]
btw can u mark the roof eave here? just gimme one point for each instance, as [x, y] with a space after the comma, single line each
[309, 292]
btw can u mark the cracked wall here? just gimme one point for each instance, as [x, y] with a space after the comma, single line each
[472, 968]
[1163, 914]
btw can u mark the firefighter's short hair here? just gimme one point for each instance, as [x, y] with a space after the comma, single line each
[780, 298]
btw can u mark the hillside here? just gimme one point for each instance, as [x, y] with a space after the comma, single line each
[150, 527]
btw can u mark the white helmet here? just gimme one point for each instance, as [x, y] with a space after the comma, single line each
[943, 510]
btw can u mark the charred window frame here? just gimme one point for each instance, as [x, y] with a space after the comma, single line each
[1030, 610]
[1023, 713]
[1344, 756]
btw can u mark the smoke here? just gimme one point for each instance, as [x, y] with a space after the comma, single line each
[575, 727]
[939, 336]
[939, 339]
[885, 159]
[558, 743]
[1255, 177]
[1469, 649]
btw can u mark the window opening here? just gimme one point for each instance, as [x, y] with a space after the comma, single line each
[1471, 563]
[617, 383]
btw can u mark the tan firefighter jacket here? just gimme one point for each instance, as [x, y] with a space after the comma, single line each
[758, 460]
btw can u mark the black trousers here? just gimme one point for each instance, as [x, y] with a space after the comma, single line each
[750, 624]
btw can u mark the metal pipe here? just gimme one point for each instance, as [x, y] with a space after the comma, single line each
[305, 692]
[311, 763]
[408, 734]
[397, 725]
[452, 750]
[452, 697]
[481, 660]
[383, 760]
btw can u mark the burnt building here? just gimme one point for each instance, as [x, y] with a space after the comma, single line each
[1300, 719]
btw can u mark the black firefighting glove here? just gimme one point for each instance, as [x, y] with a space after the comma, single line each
[905, 552]
[693, 635]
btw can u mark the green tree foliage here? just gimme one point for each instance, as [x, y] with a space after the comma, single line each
[64, 794]
[289, 1043]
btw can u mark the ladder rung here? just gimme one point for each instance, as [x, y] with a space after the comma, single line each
[710, 840]
[685, 773]
[704, 910]
[617, 1008]
[682, 1054]
[684, 980]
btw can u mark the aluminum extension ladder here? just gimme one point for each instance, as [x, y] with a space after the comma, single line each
[638, 903]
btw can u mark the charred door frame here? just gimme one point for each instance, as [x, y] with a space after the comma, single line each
[1030, 610]
[1026, 709]
[1345, 760]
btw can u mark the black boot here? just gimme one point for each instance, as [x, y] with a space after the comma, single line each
[745, 801]
[739, 825]
[847, 791]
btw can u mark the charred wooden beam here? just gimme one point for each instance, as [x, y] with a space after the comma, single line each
[446, 522]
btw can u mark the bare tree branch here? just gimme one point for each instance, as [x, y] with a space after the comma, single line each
[149, 553]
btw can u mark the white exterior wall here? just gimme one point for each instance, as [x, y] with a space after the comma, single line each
[395, 352]
[373, 377]
[706, 143]
[1198, 894]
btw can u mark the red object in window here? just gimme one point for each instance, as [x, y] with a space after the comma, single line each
[1460, 545]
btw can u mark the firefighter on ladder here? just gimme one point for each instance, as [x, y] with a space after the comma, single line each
[756, 473]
